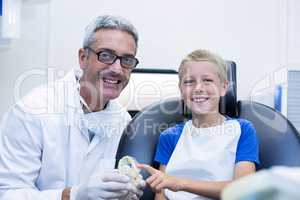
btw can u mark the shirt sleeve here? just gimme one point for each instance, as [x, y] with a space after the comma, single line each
[167, 142]
[247, 149]
[20, 158]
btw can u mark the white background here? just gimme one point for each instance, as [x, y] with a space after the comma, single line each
[260, 36]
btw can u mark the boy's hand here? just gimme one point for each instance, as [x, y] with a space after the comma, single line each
[159, 180]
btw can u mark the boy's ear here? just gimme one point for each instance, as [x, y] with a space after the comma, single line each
[225, 86]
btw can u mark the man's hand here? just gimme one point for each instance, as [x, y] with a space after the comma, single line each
[107, 186]
[130, 196]
[159, 180]
[66, 194]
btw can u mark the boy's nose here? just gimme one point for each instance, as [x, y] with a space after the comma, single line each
[199, 86]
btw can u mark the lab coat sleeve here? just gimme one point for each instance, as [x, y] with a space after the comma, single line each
[20, 158]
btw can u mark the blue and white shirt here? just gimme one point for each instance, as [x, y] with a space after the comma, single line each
[247, 148]
[206, 154]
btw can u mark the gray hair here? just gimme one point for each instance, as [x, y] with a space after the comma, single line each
[108, 22]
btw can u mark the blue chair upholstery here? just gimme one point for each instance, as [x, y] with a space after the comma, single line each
[279, 140]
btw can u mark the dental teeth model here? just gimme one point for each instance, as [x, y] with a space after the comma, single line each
[127, 166]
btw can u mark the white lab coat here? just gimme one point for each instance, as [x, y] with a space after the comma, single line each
[44, 148]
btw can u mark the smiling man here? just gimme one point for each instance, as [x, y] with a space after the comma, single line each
[69, 151]
[115, 48]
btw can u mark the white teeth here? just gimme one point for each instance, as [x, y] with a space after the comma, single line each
[110, 81]
[199, 99]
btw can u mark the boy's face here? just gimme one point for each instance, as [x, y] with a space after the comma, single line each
[201, 87]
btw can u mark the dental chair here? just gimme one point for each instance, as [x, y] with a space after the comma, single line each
[279, 141]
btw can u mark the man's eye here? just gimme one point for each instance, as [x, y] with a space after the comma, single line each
[106, 55]
[127, 60]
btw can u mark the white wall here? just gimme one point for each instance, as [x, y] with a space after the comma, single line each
[248, 32]
[253, 33]
[263, 90]
[30, 52]
[293, 33]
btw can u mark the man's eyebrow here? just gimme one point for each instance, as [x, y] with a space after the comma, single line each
[128, 55]
[113, 51]
[106, 49]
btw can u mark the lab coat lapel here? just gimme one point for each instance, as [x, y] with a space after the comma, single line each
[107, 119]
[73, 108]
[110, 118]
[75, 113]
[72, 113]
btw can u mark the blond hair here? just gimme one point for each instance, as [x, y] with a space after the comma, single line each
[205, 55]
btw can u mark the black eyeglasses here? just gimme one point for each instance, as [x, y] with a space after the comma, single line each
[107, 57]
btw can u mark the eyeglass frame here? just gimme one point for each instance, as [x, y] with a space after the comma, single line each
[115, 59]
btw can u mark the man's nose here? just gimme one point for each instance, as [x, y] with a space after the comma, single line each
[116, 66]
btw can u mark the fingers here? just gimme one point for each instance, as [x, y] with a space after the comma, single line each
[120, 188]
[151, 179]
[148, 168]
[131, 197]
[116, 182]
[155, 176]
[140, 194]
[155, 180]
[141, 184]
[113, 195]
[132, 188]
[154, 185]
[114, 186]
[160, 186]
[115, 177]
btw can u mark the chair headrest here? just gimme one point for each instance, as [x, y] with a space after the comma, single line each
[228, 103]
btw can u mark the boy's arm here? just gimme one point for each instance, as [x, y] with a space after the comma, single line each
[214, 189]
[159, 181]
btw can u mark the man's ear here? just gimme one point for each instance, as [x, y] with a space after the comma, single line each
[82, 57]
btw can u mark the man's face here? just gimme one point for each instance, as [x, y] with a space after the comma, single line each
[106, 81]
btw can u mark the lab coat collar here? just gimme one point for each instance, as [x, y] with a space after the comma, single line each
[75, 112]
[70, 93]
[72, 88]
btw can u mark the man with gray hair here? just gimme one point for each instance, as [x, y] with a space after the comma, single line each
[68, 151]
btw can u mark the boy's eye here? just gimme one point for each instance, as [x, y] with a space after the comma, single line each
[207, 80]
[188, 81]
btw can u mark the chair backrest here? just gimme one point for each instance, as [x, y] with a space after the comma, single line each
[229, 101]
[279, 141]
